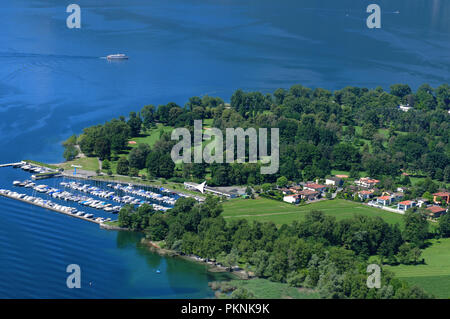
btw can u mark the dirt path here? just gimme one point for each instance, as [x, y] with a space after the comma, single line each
[80, 153]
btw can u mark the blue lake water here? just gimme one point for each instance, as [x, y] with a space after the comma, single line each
[53, 83]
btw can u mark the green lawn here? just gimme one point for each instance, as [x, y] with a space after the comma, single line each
[266, 289]
[149, 137]
[114, 223]
[415, 180]
[263, 209]
[41, 164]
[434, 275]
[382, 131]
[208, 122]
[87, 163]
[337, 172]
[152, 136]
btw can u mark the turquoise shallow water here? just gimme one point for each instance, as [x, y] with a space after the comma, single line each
[53, 83]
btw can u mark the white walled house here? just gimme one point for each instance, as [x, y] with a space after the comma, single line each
[363, 195]
[334, 181]
[315, 187]
[367, 182]
[384, 200]
[292, 199]
[405, 205]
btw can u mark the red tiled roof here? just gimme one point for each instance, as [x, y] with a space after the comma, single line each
[442, 194]
[436, 209]
[307, 192]
[406, 202]
[366, 192]
[314, 185]
[368, 180]
[384, 197]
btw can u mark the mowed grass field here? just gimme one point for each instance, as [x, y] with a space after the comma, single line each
[152, 136]
[87, 163]
[263, 209]
[266, 289]
[434, 275]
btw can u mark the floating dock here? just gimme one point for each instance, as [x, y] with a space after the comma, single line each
[45, 175]
[12, 164]
[51, 208]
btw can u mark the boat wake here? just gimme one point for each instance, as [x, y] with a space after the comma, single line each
[38, 55]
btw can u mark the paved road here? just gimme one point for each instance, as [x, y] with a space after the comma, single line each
[80, 173]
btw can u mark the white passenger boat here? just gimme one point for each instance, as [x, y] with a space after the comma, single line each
[118, 56]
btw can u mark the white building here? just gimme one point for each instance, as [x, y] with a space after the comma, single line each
[404, 108]
[293, 199]
[405, 205]
[202, 188]
[367, 182]
[335, 181]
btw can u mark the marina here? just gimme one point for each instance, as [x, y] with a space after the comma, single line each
[36, 201]
[91, 200]
[103, 203]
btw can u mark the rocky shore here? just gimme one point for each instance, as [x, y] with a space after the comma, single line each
[111, 227]
[212, 265]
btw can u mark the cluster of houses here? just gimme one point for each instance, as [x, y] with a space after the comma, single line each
[365, 189]
[366, 182]
[434, 210]
[309, 191]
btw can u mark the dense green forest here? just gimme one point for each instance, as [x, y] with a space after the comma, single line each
[353, 129]
[358, 130]
[320, 253]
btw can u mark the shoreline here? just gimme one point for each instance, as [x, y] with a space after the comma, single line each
[111, 227]
[155, 248]
[211, 266]
[96, 177]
